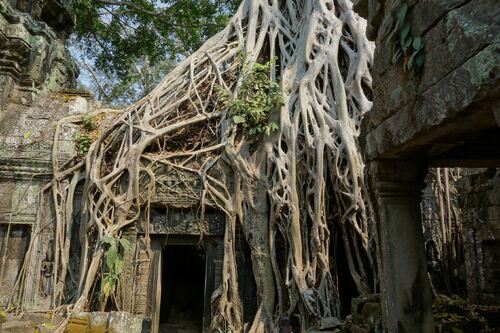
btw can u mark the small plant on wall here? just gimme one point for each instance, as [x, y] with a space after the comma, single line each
[87, 134]
[406, 48]
[83, 142]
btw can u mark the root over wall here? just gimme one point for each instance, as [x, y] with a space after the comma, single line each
[294, 193]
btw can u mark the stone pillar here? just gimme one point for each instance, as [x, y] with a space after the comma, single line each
[406, 296]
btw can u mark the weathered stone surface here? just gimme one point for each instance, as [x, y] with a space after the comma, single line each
[427, 13]
[101, 322]
[16, 326]
[458, 36]
[480, 203]
[186, 222]
[26, 136]
[180, 188]
[412, 128]
[447, 115]
[124, 322]
[33, 55]
[461, 68]
[404, 283]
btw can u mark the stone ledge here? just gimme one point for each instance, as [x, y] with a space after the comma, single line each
[462, 30]
[412, 129]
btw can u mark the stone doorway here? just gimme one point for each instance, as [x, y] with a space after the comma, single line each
[183, 289]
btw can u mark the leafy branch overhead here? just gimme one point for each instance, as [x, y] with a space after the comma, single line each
[112, 48]
[258, 97]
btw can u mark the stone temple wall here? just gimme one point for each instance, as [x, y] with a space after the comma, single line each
[33, 56]
[26, 136]
[435, 117]
[36, 70]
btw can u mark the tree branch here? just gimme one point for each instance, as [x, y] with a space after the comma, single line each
[134, 6]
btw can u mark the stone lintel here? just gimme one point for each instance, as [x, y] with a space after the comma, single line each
[184, 221]
[458, 107]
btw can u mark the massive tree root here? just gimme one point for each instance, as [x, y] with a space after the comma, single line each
[294, 193]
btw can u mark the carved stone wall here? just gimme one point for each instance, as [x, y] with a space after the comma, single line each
[36, 77]
[33, 56]
[26, 136]
[185, 221]
[35, 67]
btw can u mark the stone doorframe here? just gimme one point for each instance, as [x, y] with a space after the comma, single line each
[213, 268]
[396, 187]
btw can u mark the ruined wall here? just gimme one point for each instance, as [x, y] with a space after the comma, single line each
[26, 135]
[441, 110]
[35, 67]
[480, 202]
[459, 77]
[33, 56]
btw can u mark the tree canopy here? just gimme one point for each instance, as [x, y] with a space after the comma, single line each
[125, 47]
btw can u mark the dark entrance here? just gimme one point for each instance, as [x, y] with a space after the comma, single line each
[183, 289]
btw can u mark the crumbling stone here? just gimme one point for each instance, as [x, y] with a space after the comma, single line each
[33, 57]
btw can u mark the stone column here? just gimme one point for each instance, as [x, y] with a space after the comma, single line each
[405, 290]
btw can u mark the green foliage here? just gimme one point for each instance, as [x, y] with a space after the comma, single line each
[405, 47]
[114, 258]
[258, 96]
[86, 135]
[130, 45]
[88, 122]
[83, 142]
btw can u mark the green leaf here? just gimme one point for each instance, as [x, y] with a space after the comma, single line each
[111, 257]
[402, 13]
[27, 135]
[407, 43]
[107, 240]
[409, 63]
[239, 119]
[125, 244]
[396, 56]
[119, 265]
[417, 43]
[106, 288]
[405, 31]
[412, 60]
[420, 59]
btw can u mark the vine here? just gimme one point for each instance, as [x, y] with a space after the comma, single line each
[293, 195]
